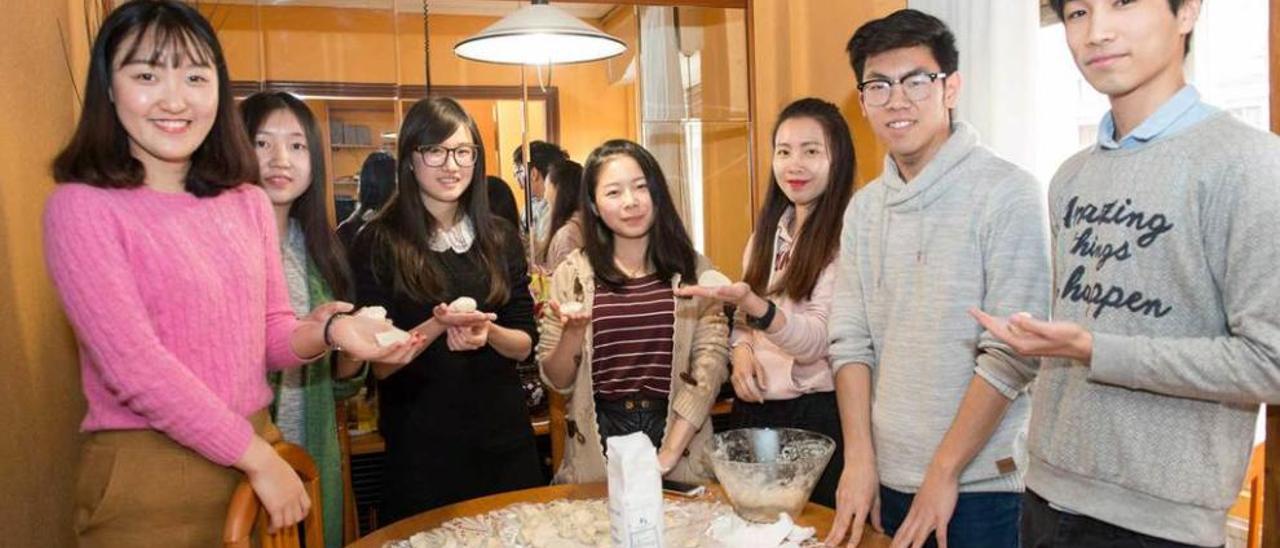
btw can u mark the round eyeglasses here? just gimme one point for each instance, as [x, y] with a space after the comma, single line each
[437, 155]
[917, 87]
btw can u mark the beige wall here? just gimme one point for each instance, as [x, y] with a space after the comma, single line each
[799, 52]
[40, 391]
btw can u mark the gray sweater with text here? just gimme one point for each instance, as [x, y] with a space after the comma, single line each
[1168, 254]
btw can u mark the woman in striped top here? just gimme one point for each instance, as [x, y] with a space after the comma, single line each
[654, 361]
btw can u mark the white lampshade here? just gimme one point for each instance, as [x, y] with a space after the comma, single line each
[539, 34]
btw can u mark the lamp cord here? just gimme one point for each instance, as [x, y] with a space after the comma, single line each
[426, 49]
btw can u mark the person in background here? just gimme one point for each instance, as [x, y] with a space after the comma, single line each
[291, 170]
[781, 368]
[1164, 335]
[377, 182]
[935, 455]
[502, 201]
[533, 178]
[454, 418]
[633, 357]
[164, 253]
[564, 183]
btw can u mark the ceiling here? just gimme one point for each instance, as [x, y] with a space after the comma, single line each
[493, 8]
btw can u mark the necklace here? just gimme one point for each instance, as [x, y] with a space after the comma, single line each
[630, 272]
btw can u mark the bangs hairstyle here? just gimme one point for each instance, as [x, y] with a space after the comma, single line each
[670, 251]
[98, 153]
[816, 242]
[323, 247]
[402, 230]
[1059, 6]
[905, 28]
[566, 175]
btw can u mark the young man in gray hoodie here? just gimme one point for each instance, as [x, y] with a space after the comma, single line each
[1165, 334]
[947, 227]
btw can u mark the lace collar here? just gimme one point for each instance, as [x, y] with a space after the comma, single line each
[459, 237]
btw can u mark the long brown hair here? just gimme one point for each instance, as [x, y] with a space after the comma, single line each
[670, 249]
[98, 154]
[818, 240]
[567, 176]
[403, 228]
[323, 247]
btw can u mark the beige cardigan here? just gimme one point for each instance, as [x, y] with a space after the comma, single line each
[699, 366]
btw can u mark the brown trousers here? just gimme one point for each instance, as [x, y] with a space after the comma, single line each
[140, 488]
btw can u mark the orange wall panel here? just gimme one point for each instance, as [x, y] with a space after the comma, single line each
[40, 396]
[800, 52]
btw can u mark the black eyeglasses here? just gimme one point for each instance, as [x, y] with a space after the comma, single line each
[917, 87]
[437, 155]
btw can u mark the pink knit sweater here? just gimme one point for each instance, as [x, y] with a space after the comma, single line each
[179, 305]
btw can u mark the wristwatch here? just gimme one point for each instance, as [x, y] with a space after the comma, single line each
[763, 322]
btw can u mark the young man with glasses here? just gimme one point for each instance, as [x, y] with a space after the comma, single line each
[533, 178]
[1165, 335]
[947, 227]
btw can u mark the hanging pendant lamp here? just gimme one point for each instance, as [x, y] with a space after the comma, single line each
[539, 34]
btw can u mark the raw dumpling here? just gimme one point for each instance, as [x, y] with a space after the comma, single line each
[463, 304]
[713, 278]
[391, 336]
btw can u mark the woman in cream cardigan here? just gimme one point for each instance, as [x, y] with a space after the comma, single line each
[633, 357]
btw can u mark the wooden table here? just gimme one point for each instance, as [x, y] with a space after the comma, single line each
[818, 517]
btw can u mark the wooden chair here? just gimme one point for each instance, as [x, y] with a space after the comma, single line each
[1253, 479]
[556, 427]
[246, 513]
[349, 528]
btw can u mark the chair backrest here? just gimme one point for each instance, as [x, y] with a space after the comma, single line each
[245, 513]
[1253, 478]
[556, 427]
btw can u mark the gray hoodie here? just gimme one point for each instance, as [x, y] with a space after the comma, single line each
[971, 230]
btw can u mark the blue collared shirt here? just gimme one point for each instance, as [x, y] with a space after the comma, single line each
[1180, 112]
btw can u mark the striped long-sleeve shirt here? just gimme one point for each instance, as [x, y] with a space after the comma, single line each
[633, 329]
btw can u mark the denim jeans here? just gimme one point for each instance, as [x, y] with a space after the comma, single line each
[981, 520]
[1044, 527]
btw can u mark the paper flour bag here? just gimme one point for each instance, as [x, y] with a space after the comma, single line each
[635, 492]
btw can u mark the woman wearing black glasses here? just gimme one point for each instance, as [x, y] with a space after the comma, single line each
[454, 418]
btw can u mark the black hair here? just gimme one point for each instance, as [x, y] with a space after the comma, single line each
[502, 201]
[98, 153]
[670, 249]
[541, 155]
[904, 28]
[323, 247]
[377, 180]
[1058, 7]
[402, 230]
[818, 240]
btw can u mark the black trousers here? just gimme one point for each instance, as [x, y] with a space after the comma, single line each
[813, 412]
[622, 417]
[1044, 527]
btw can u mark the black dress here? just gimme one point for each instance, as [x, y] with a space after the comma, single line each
[455, 423]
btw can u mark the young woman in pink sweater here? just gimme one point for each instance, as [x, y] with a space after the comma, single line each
[781, 373]
[169, 270]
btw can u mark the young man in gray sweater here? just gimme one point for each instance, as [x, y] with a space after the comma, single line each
[948, 226]
[1165, 334]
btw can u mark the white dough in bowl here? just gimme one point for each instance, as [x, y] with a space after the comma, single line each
[572, 307]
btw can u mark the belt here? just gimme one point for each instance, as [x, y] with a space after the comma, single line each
[632, 405]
